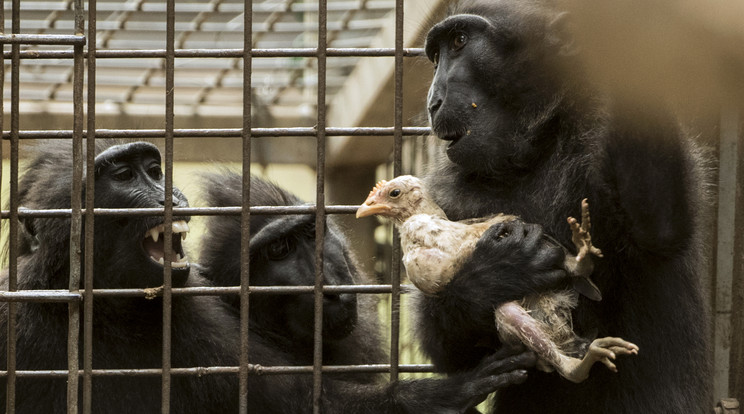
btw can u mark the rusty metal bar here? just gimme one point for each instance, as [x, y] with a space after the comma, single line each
[225, 53]
[225, 132]
[397, 155]
[13, 227]
[186, 211]
[2, 94]
[43, 39]
[73, 333]
[89, 218]
[57, 295]
[320, 218]
[245, 216]
[253, 369]
[168, 197]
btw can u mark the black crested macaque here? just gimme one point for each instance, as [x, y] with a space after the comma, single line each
[127, 332]
[525, 134]
[282, 250]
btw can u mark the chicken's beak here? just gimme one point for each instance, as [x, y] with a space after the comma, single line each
[370, 208]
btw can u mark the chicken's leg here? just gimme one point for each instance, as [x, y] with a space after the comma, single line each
[515, 326]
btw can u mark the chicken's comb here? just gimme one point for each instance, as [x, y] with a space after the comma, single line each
[377, 187]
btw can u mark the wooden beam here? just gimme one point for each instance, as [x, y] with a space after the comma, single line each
[367, 97]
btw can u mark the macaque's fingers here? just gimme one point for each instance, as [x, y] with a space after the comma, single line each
[506, 361]
[595, 251]
[492, 383]
[532, 235]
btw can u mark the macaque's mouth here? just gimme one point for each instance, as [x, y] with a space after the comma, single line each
[154, 244]
[453, 139]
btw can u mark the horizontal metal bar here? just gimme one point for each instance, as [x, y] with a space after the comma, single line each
[61, 295]
[183, 211]
[41, 39]
[254, 369]
[221, 132]
[40, 296]
[221, 53]
[261, 290]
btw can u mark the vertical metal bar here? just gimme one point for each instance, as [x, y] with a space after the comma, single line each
[320, 218]
[168, 197]
[2, 96]
[726, 237]
[397, 155]
[73, 333]
[13, 228]
[245, 217]
[736, 359]
[89, 217]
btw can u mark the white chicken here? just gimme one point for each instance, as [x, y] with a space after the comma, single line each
[435, 248]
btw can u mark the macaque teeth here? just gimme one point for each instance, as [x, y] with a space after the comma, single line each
[155, 234]
[180, 227]
[161, 261]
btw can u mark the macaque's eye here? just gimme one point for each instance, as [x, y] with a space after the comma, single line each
[123, 174]
[280, 249]
[155, 172]
[395, 193]
[459, 40]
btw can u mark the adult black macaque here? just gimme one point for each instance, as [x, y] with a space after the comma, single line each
[127, 332]
[282, 252]
[527, 136]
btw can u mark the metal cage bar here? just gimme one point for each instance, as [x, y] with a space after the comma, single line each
[89, 218]
[397, 151]
[168, 198]
[73, 335]
[245, 210]
[253, 369]
[320, 218]
[225, 53]
[226, 132]
[13, 225]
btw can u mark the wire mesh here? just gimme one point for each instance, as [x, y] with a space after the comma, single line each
[85, 54]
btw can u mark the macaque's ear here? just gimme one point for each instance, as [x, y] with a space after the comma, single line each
[560, 34]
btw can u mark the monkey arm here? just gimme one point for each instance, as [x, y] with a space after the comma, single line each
[652, 167]
[454, 394]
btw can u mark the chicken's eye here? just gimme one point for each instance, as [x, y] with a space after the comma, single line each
[395, 193]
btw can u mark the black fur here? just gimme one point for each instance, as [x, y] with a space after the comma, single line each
[527, 139]
[283, 253]
[127, 332]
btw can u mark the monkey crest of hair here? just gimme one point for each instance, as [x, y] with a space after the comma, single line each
[523, 132]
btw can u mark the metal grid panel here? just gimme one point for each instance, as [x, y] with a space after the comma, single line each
[199, 25]
[163, 62]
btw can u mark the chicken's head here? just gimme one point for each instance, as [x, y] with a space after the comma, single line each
[398, 199]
